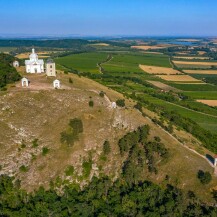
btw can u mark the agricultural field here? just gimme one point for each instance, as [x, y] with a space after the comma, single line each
[131, 62]
[84, 62]
[191, 57]
[205, 72]
[194, 87]
[194, 64]
[178, 78]
[154, 47]
[208, 95]
[163, 86]
[205, 121]
[159, 70]
[212, 103]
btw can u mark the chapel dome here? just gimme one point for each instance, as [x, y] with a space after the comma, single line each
[33, 56]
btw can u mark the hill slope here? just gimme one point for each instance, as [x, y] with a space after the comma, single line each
[33, 119]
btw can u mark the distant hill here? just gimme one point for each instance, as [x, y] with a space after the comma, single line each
[65, 43]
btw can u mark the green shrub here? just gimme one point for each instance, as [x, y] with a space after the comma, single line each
[23, 168]
[70, 81]
[45, 151]
[106, 147]
[204, 177]
[102, 94]
[91, 103]
[69, 171]
[77, 125]
[87, 166]
[35, 143]
[72, 133]
[120, 102]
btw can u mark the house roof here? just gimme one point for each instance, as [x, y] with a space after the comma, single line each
[50, 61]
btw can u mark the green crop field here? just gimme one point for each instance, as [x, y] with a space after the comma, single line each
[202, 94]
[130, 62]
[194, 87]
[205, 121]
[84, 62]
[7, 49]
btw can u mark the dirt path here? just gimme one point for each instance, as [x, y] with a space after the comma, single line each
[99, 65]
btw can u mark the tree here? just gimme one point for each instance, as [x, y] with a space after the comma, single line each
[102, 94]
[106, 147]
[91, 103]
[120, 102]
[70, 81]
[204, 177]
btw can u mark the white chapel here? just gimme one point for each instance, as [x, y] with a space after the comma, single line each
[34, 65]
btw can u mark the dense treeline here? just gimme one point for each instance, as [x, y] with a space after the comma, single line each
[101, 198]
[8, 74]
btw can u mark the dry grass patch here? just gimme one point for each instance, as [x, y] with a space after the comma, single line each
[148, 47]
[179, 78]
[191, 58]
[201, 52]
[208, 102]
[159, 70]
[101, 44]
[205, 72]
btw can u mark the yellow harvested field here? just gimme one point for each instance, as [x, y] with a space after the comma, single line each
[201, 52]
[195, 63]
[163, 86]
[179, 78]
[148, 47]
[208, 102]
[159, 70]
[191, 58]
[101, 44]
[40, 55]
[202, 72]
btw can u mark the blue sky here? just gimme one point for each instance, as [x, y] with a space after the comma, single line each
[109, 17]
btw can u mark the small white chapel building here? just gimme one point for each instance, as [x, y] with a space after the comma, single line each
[34, 65]
[16, 64]
[24, 82]
[56, 84]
